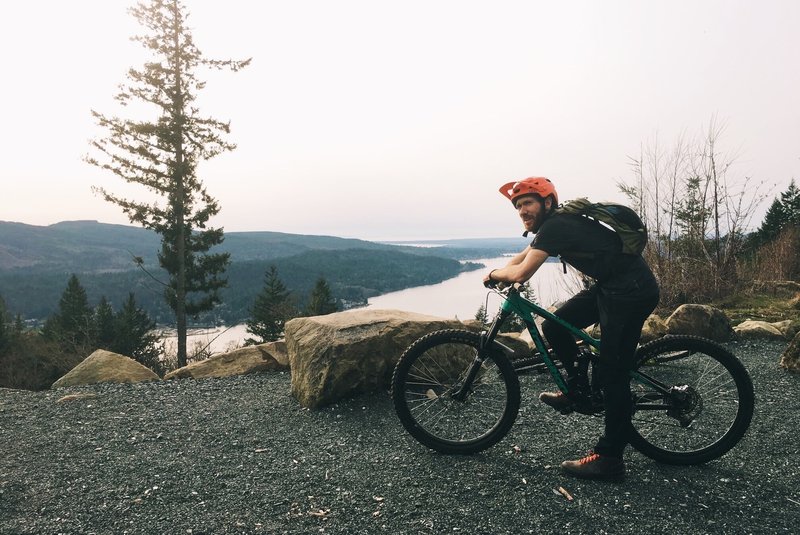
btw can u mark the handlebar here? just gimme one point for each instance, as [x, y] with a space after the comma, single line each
[503, 287]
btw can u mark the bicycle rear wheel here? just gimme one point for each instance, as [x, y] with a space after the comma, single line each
[426, 380]
[704, 407]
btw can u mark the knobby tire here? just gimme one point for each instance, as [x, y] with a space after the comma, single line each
[427, 375]
[714, 413]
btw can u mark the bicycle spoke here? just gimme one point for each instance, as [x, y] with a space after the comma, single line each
[437, 372]
[702, 406]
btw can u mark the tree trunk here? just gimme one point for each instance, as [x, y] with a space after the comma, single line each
[180, 246]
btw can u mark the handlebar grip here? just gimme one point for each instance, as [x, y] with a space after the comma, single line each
[496, 285]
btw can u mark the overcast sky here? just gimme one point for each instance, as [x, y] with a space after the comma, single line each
[399, 120]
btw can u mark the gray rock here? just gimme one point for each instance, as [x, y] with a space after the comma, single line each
[758, 329]
[790, 359]
[271, 356]
[106, 367]
[789, 328]
[348, 353]
[654, 327]
[700, 320]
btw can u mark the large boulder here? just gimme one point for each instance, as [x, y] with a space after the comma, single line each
[751, 329]
[106, 367]
[700, 320]
[348, 353]
[271, 356]
[654, 327]
[790, 359]
[789, 328]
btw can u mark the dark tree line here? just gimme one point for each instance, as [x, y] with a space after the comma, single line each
[275, 305]
[35, 359]
[78, 329]
[775, 247]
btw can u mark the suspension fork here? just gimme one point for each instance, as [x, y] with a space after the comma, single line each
[487, 338]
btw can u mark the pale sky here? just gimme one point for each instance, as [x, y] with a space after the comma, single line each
[400, 119]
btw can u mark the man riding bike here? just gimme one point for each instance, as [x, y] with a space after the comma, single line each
[623, 295]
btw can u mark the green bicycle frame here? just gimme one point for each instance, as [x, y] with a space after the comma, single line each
[514, 303]
[527, 310]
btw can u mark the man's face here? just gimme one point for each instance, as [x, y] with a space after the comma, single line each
[531, 210]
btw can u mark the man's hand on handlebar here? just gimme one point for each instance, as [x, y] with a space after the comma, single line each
[491, 283]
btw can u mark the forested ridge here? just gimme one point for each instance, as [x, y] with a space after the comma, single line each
[36, 262]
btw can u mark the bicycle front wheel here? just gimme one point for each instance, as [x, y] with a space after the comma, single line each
[702, 406]
[435, 406]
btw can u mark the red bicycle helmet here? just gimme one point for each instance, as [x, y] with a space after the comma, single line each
[538, 185]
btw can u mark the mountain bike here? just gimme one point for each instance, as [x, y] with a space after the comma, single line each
[458, 391]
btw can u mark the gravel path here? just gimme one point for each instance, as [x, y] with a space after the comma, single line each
[240, 456]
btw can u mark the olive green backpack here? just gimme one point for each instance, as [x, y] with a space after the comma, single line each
[618, 217]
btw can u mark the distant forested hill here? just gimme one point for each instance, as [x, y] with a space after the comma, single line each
[35, 263]
[89, 246]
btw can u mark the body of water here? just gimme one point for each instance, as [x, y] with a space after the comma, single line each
[459, 297]
[462, 296]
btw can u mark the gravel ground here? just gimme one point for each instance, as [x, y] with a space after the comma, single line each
[239, 455]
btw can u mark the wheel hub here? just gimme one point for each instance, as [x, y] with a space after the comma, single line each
[686, 404]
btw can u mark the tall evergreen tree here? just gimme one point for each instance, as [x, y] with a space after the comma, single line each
[481, 315]
[774, 221]
[104, 324]
[321, 301]
[162, 154]
[272, 308]
[790, 199]
[783, 212]
[72, 327]
[18, 327]
[5, 331]
[134, 336]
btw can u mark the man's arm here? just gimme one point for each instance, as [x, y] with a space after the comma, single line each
[520, 268]
[519, 257]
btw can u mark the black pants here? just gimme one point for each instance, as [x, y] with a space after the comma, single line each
[621, 318]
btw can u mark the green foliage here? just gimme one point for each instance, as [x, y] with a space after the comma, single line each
[104, 328]
[33, 363]
[784, 212]
[321, 301]
[134, 336]
[92, 247]
[72, 327]
[162, 154]
[481, 315]
[697, 212]
[5, 330]
[272, 308]
[75, 331]
[353, 275]
[27, 360]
